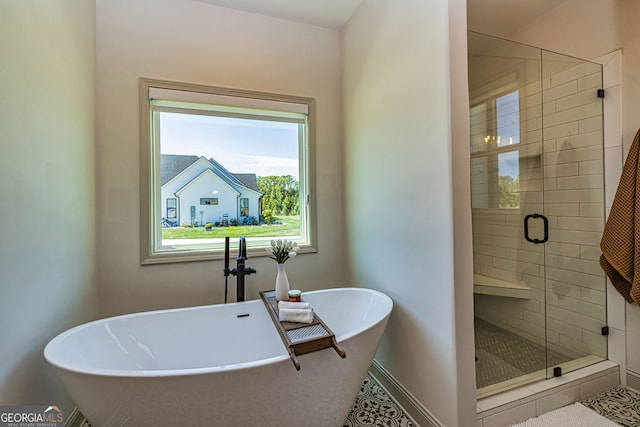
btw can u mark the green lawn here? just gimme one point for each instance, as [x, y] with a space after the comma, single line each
[290, 227]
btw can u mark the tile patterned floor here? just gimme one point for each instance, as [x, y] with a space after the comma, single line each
[502, 355]
[373, 407]
[620, 405]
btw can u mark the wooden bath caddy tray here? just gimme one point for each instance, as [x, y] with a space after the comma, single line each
[300, 338]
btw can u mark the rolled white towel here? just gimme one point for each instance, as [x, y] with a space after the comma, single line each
[304, 315]
[294, 305]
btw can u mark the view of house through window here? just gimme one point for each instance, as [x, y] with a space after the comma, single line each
[230, 176]
[495, 161]
[226, 170]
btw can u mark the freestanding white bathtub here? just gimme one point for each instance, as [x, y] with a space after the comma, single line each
[216, 366]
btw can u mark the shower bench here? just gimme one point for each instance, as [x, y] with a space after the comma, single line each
[485, 285]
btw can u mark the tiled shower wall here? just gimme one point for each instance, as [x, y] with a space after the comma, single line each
[562, 141]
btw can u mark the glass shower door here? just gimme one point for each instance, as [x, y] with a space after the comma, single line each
[574, 204]
[537, 213]
[507, 188]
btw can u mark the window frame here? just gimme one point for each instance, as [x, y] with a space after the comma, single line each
[149, 174]
[243, 207]
[174, 207]
[208, 201]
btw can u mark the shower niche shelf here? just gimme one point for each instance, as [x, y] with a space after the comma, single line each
[485, 285]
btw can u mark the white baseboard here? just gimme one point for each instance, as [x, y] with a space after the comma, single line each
[409, 403]
[74, 419]
[633, 380]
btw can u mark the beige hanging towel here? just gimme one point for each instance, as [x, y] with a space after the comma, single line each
[620, 242]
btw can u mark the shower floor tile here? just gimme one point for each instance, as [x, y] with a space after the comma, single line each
[502, 355]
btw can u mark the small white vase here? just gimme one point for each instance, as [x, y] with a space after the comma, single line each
[282, 284]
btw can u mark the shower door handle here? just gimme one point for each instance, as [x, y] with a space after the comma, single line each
[545, 228]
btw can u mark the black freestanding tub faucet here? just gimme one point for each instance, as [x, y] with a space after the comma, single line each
[240, 271]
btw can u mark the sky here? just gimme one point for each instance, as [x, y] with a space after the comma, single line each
[240, 145]
[509, 164]
[508, 118]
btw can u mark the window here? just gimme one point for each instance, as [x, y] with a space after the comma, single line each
[495, 159]
[171, 208]
[244, 207]
[244, 158]
[209, 201]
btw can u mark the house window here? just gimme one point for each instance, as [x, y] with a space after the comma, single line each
[231, 152]
[495, 159]
[171, 208]
[209, 201]
[244, 207]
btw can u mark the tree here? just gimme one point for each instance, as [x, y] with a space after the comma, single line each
[509, 190]
[281, 194]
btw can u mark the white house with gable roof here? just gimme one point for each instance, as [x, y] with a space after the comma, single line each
[200, 190]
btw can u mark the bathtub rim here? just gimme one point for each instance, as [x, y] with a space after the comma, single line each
[148, 373]
[357, 331]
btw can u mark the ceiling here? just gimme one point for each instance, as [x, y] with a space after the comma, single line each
[503, 17]
[496, 17]
[324, 13]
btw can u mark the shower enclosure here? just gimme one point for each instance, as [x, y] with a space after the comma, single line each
[537, 192]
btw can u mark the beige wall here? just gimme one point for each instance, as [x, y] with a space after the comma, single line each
[398, 182]
[591, 31]
[627, 26]
[47, 188]
[192, 41]
[627, 21]
[461, 190]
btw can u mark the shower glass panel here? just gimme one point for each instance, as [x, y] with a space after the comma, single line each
[573, 158]
[537, 199]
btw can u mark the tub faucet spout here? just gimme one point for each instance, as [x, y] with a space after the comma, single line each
[241, 269]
